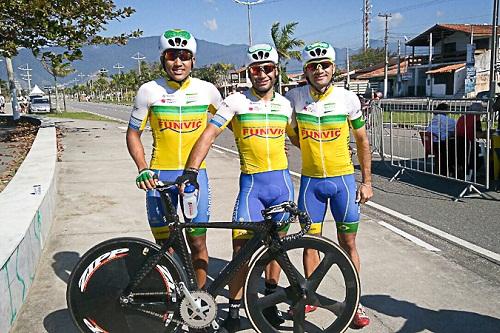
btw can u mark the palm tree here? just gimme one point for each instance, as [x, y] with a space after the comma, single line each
[57, 68]
[285, 43]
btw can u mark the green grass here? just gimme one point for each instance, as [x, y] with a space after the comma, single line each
[78, 115]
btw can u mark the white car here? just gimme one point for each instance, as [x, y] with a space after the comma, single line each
[40, 105]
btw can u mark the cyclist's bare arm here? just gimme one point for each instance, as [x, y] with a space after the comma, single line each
[202, 146]
[365, 191]
[136, 149]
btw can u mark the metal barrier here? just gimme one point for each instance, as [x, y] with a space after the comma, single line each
[373, 115]
[452, 143]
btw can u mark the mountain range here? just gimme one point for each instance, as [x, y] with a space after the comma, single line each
[96, 57]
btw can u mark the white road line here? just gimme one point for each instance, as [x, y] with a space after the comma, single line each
[483, 252]
[458, 241]
[411, 238]
[226, 149]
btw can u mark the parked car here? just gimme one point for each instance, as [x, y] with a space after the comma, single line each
[483, 94]
[39, 105]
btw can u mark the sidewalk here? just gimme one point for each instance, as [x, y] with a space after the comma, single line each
[405, 287]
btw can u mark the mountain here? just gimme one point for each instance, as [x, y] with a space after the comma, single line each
[96, 57]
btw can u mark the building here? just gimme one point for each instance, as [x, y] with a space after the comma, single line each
[450, 60]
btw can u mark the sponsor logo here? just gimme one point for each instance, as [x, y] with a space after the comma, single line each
[93, 326]
[191, 98]
[186, 126]
[329, 107]
[167, 277]
[262, 132]
[94, 265]
[320, 136]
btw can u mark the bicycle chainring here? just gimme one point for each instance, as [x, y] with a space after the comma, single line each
[206, 314]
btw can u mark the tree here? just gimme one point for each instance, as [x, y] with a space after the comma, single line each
[284, 44]
[37, 24]
[216, 73]
[368, 58]
[56, 68]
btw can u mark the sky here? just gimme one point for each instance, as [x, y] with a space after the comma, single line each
[336, 21]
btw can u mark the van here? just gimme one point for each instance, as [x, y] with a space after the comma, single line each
[39, 105]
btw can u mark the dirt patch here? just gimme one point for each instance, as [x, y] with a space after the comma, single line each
[15, 142]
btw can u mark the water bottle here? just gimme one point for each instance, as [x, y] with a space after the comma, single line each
[190, 201]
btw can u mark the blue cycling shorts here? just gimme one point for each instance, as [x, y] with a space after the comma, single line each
[340, 191]
[257, 192]
[159, 228]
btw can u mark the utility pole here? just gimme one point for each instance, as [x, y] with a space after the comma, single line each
[386, 16]
[348, 83]
[27, 75]
[138, 56]
[367, 11]
[494, 52]
[398, 77]
[249, 4]
[12, 87]
[119, 67]
[430, 63]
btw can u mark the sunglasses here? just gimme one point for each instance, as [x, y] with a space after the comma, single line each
[256, 70]
[183, 55]
[313, 66]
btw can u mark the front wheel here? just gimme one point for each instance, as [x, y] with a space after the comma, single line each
[95, 289]
[332, 290]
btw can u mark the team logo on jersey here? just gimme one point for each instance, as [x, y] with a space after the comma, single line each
[167, 99]
[191, 98]
[329, 107]
[263, 132]
[320, 136]
[183, 126]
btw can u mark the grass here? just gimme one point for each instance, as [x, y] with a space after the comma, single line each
[78, 115]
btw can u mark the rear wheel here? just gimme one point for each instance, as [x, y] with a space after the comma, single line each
[96, 284]
[333, 288]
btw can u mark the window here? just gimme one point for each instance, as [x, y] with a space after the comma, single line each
[449, 48]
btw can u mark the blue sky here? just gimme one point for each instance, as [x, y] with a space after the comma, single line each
[337, 21]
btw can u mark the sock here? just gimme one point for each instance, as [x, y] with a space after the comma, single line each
[270, 288]
[234, 308]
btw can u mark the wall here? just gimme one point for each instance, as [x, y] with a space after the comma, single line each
[25, 223]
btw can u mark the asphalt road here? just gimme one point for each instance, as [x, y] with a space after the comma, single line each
[425, 198]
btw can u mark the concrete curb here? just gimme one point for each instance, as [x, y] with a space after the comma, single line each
[27, 205]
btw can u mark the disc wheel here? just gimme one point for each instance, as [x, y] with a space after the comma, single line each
[96, 285]
[333, 287]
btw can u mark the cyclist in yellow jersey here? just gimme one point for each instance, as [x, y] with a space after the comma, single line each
[323, 118]
[176, 108]
[260, 119]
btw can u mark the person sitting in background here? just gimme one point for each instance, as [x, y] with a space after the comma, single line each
[468, 129]
[442, 129]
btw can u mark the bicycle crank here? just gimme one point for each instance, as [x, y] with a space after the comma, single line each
[201, 315]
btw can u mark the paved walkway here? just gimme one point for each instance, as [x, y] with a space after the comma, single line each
[406, 288]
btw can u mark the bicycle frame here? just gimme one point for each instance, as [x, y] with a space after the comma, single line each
[265, 235]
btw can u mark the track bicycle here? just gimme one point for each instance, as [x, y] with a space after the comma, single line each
[133, 285]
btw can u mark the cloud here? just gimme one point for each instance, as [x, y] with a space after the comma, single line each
[211, 24]
[395, 20]
[439, 13]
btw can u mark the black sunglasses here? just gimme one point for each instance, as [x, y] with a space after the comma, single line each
[183, 55]
[313, 66]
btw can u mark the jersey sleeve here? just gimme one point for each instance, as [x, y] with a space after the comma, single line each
[226, 110]
[215, 98]
[140, 111]
[355, 114]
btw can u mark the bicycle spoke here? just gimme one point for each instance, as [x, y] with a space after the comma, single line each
[279, 296]
[319, 273]
[293, 275]
[299, 317]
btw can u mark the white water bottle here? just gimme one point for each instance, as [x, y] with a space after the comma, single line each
[190, 201]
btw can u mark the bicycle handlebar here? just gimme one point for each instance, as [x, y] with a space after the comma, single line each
[290, 207]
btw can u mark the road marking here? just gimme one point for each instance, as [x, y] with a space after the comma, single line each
[411, 238]
[458, 241]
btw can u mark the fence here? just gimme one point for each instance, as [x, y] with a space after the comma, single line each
[445, 138]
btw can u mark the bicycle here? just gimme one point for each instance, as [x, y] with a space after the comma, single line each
[133, 285]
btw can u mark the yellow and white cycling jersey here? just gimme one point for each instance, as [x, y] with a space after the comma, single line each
[323, 127]
[259, 129]
[177, 116]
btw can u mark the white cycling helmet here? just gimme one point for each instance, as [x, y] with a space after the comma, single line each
[317, 51]
[261, 53]
[177, 39]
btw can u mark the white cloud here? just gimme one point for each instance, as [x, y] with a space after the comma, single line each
[439, 13]
[211, 24]
[395, 20]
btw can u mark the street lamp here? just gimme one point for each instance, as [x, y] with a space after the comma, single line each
[249, 4]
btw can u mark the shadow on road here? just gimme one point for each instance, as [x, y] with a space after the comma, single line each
[419, 319]
[59, 321]
[63, 264]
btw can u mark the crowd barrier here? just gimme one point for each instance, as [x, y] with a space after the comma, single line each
[422, 135]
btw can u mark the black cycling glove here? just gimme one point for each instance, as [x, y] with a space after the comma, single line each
[189, 176]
